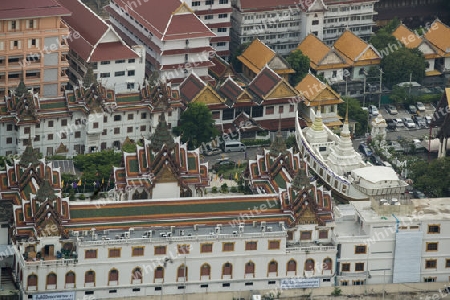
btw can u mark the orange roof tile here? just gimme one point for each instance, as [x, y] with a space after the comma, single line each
[407, 37]
[256, 56]
[439, 36]
[316, 92]
[314, 48]
[354, 48]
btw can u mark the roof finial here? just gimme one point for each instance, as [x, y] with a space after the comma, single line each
[346, 113]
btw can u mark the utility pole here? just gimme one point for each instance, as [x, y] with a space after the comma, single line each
[381, 89]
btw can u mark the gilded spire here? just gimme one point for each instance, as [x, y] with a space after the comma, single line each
[162, 135]
[279, 144]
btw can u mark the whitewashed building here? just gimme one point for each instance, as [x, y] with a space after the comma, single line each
[216, 14]
[95, 44]
[283, 24]
[176, 40]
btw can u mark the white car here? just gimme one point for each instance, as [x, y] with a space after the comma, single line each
[420, 106]
[398, 123]
[373, 110]
[409, 123]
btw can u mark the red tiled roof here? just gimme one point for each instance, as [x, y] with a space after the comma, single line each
[186, 26]
[187, 65]
[112, 51]
[21, 9]
[222, 38]
[190, 87]
[269, 4]
[220, 25]
[219, 68]
[162, 22]
[206, 50]
[231, 90]
[213, 11]
[84, 21]
[264, 82]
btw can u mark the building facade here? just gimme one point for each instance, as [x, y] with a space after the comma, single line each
[282, 25]
[33, 47]
[84, 120]
[176, 40]
[216, 14]
[96, 45]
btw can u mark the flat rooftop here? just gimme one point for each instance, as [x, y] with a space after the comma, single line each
[180, 231]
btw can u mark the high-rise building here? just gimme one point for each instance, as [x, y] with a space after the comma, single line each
[216, 14]
[177, 42]
[33, 46]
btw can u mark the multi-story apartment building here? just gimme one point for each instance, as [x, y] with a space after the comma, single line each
[98, 46]
[33, 46]
[176, 40]
[282, 25]
[216, 14]
[356, 16]
[84, 120]
[278, 24]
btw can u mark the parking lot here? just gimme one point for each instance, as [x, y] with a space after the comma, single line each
[404, 132]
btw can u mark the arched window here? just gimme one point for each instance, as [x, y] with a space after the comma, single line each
[250, 268]
[182, 272]
[205, 270]
[32, 280]
[309, 264]
[159, 273]
[113, 275]
[273, 267]
[51, 279]
[70, 277]
[327, 264]
[227, 269]
[291, 266]
[89, 277]
[136, 274]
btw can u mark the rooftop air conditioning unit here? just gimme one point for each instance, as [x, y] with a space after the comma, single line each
[127, 235]
[85, 232]
[195, 227]
[217, 230]
[105, 231]
[269, 229]
[241, 229]
[76, 233]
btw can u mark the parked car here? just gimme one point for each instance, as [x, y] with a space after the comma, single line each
[412, 109]
[409, 123]
[418, 145]
[418, 194]
[395, 146]
[420, 106]
[373, 110]
[391, 109]
[364, 149]
[391, 124]
[420, 121]
[428, 120]
[212, 151]
[398, 123]
[223, 164]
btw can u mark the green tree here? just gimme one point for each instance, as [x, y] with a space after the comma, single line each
[398, 66]
[196, 125]
[96, 166]
[399, 95]
[356, 113]
[431, 177]
[383, 37]
[300, 64]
